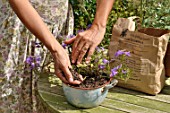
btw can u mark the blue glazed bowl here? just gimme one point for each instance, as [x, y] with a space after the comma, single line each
[87, 98]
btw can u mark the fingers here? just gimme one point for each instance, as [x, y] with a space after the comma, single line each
[69, 63]
[70, 41]
[76, 82]
[80, 47]
[76, 51]
[76, 42]
[62, 68]
[69, 77]
[60, 75]
[91, 51]
[80, 77]
[68, 74]
[82, 53]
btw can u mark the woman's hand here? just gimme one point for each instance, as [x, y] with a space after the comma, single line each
[86, 42]
[62, 66]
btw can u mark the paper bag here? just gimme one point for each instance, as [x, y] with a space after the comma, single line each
[148, 47]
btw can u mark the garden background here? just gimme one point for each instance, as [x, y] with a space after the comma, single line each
[152, 13]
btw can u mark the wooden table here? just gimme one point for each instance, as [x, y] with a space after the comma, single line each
[119, 100]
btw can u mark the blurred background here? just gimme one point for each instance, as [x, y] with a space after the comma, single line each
[152, 13]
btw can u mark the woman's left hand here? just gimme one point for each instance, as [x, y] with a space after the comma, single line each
[86, 41]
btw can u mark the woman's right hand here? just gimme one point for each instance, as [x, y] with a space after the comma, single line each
[62, 66]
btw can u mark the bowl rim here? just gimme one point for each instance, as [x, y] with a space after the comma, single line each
[88, 88]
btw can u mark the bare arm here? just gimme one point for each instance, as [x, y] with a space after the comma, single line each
[31, 19]
[34, 23]
[102, 12]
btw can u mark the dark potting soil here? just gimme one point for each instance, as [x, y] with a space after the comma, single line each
[90, 81]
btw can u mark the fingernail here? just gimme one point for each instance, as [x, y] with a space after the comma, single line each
[78, 62]
[87, 62]
[70, 79]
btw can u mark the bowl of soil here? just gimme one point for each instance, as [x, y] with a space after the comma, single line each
[97, 78]
[90, 93]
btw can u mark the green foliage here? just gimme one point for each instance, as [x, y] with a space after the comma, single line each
[84, 11]
[121, 8]
[153, 13]
[156, 13]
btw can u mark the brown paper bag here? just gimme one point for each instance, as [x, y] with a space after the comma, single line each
[147, 47]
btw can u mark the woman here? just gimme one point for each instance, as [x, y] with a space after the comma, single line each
[45, 20]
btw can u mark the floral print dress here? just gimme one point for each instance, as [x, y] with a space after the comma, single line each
[18, 85]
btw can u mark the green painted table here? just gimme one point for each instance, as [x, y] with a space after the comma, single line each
[118, 100]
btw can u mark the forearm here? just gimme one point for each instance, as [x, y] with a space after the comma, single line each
[102, 12]
[34, 23]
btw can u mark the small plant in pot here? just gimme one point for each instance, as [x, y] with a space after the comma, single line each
[97, 78]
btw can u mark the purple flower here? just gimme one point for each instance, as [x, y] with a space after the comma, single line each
[29, 60]
[88, 26]
[119, 66]
[101, 66]
[33, 61]
[70, 36]
[81, 30]
[124, 71]
[105, 61]
[64, 45]
[113, 72]
[127, 53]
[99, 49]
[118, 53]
[114, 69]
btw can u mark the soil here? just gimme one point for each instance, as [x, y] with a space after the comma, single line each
[90, 81]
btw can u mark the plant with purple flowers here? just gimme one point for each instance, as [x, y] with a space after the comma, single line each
[97, 69]
[121, 71]
[100, 65]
